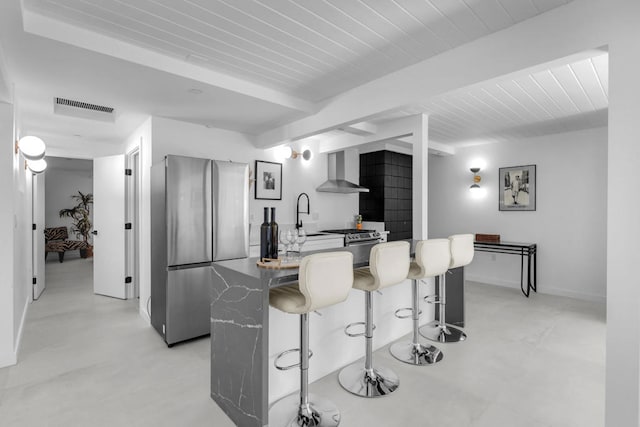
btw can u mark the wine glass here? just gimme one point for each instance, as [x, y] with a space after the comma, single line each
[302, 237]
[291, 238]
[284, 240]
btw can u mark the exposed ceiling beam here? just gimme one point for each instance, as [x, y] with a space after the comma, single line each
[362, 128]
[523, 46]
[44, 26]
[394, 131]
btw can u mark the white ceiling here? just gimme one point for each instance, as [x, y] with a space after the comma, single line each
[259, 64]
[557, 99]
[314, 49]
[63, 163]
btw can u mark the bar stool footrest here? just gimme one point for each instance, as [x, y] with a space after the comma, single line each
[406, 316]
[284, 353]
[432, 299]
[353, 325]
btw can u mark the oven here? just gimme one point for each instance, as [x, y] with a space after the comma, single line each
[353, 236]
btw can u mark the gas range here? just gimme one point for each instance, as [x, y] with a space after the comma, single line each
[353, 236]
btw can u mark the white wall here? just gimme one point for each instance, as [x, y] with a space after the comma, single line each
[141, 138]
[15, 262]
[158, 137]
[328, 210]
[174, 137]
[22, 239]
[61, 184]
[569, 224]
[623, 227]
[7, 352]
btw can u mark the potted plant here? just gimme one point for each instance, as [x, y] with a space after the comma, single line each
[81, 219]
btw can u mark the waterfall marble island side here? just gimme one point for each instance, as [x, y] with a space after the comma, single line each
[240, 334]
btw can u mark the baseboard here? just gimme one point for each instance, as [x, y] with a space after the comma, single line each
[11, 358]
[8, 359]
[491, 281]
[547, 290]
[576, 295]
[27, 303]
[144, 315]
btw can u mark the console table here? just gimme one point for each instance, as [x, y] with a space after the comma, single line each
[528, 250]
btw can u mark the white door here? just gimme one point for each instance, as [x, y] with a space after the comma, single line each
[108, 226]
[37, 194]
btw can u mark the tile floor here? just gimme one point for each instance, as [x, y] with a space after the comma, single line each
[88, 360]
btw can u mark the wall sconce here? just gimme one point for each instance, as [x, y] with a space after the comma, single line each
[31, 147]
[37, 166]
[476, 179]
[289, 153]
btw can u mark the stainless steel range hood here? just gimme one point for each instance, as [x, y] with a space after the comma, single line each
[336, 182]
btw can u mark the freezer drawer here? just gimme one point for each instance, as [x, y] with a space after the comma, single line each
[188, 303]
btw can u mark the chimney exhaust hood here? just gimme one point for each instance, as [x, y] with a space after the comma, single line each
[336, 182]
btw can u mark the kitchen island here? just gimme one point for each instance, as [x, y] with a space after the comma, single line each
[240, 332]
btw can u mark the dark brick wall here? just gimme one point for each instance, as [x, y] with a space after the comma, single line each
[388, 176]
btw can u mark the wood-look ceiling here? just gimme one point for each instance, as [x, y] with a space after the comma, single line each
[562, 98]
[312, 49]
[317, 49]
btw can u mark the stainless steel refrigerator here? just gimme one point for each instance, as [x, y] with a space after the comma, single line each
[199, 214]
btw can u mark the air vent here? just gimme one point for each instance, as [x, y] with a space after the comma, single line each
[85, 110]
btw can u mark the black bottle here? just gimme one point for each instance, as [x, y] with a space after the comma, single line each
[265, 237]
[274, 235]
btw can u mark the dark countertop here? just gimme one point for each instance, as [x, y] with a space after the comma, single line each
[248, 266]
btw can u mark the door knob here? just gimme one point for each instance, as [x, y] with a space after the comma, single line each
[94, 232]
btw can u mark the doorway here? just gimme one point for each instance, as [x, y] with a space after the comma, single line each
[66, 178]
[132, 235]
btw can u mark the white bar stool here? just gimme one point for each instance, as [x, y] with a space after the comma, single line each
[432, 258]
[324, 279]
[388, 265]
[461, 246]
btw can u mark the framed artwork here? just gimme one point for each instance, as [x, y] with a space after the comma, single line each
[518, 188]
[268, 180]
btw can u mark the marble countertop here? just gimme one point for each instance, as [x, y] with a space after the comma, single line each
[311, 236]
[249, 267]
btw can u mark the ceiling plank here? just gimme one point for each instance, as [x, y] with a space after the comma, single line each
[590, 83]
[491, 14]
[571, 85]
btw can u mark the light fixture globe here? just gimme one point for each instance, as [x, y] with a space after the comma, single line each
[32, 147]
[37, 166]
[474, 188]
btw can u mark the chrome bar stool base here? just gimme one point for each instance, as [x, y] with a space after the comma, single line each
[319, 412]
[442, 334]
[376, 382]
[415, 354]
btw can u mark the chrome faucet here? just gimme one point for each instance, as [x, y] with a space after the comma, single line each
[298, 211]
